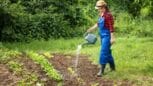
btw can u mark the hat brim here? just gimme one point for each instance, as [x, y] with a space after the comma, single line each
[96, 7]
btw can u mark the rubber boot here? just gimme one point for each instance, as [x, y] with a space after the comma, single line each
[101, 71]
[112, 66]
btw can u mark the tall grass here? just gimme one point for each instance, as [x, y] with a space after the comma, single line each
[51, 45]
[125, 24]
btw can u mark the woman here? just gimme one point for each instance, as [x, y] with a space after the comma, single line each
[106, 29]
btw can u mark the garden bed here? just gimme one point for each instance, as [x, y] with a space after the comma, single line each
[86, 72]
[23, 70]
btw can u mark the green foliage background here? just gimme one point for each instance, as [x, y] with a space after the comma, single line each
[25, 20]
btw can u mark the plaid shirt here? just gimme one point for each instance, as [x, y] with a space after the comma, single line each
[109, 21]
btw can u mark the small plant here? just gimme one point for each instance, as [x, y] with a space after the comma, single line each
[12, 53]
[71, 70]
[48, 55]
[47, 67]
[81, 81]
[6, 55]
[95, 84]
[15, 67]
[30, 78]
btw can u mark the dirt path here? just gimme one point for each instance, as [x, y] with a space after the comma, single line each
[86, 72]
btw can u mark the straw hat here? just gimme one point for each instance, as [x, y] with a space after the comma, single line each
[100, 3]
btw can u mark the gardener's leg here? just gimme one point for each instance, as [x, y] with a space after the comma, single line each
[103, 60]
[101, 71]
[111, 59]
[112, 63]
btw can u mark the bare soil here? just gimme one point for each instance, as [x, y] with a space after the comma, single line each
[86, 72]
[36, 69]
[7, 78]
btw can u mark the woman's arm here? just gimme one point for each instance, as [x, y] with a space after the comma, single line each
[91, 29]
[110, 21]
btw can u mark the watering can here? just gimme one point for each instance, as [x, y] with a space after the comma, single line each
[90, 38]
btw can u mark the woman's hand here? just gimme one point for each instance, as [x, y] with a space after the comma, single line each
[112, 39]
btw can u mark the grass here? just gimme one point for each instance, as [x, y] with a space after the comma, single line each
[125, 24]
[61, 45]
[133, 56]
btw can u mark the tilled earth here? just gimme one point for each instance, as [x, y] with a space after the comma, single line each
[7, 78]
[86, 72]
[64, 64]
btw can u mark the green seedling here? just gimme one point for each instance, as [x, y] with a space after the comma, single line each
[15, 67]
[45, 65]
[71, 70]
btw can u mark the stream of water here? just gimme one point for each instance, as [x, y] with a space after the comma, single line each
[77, 56]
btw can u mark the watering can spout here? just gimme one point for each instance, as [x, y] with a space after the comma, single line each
[85, 43]
[90, 39]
